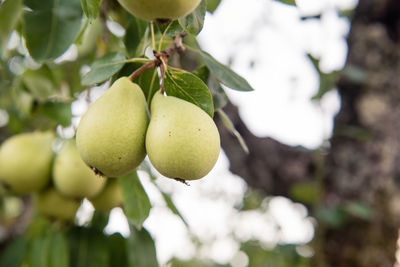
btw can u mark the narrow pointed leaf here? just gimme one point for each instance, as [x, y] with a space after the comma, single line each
[136, 202]
[141, 249]
[14, 253]
[224, 74]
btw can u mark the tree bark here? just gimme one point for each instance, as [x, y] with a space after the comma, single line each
[363, 164]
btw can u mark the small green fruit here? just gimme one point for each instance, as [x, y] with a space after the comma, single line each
[72, 177]
[111, 134]
[52, 204]
[110, 197]
[25, 161]
[159, 9]
[182, 140]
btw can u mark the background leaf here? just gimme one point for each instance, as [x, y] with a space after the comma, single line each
[118, 250]
[288, 2]
[189, 87]
[88, 247]
[51, 27]
[136, 202]
[91, 8]
[193, 23]
[140, 249]
[40, 82]
[14, 253]
[103, 68]
[10, 12]
[134, 34]
[212, 5]
[60, 112]
[59, 252]
[224, 74]
[220, 99]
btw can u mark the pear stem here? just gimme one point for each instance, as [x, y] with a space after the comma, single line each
[161, 60]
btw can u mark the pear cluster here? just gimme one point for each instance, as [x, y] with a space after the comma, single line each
[114, 135]
[58, 181]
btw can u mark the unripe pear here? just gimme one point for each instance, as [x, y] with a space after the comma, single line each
[111, 134]
[72, 177]
[159, 9]
[52, 204]
[110, 197]
[25, 161]
[182, 140]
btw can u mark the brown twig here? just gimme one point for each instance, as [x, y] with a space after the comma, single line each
[161, 60]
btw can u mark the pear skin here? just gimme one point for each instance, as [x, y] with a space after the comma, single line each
[25, 161]
[182, 140]
[51, 203]
[159, 9]
[72, 177]
[111, 134]
[109, 198]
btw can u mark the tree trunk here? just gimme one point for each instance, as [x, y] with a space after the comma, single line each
[363, 164]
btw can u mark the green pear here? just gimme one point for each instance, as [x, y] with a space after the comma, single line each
[110, 136]
[52, 204]
[110, 197]
[159, 9]
[182, 140]
[72, 177]
[25, 161]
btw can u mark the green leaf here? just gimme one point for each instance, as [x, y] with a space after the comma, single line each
[39, 251]
[136, 202]
[141, 249]
[306, 192]
[332, 216]
[59, 251]
[13, 255]
[224, 74]
[58, 111]
[135, 33]
[173, 28]
[91, 8]
[10, 12]
[39, 82]
[149, 82]
[230, 127]
[193, 23]
[288, 2]
[118, 251]
[88, 248]
[189, 87]
[50, 27]
[172, 207]
[212, 5]
[358, 209]
[100, 219]
[103, 68]
[327, 81]
[220, 99]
